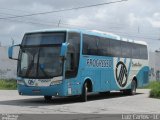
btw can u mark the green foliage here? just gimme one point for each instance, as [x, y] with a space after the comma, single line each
[151, 85]
[155, 89]
[10, 84]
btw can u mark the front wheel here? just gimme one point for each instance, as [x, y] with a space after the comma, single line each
[48, 98]
[84, 93]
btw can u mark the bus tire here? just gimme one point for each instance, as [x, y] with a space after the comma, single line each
[105, 93]
[133, 87]
[48, 98]
[84, 92]
[131, 91]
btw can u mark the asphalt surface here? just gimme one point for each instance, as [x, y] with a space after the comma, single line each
[115, 103]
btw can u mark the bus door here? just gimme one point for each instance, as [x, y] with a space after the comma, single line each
[105, 79]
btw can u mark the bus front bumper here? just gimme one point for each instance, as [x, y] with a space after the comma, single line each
[56, 90]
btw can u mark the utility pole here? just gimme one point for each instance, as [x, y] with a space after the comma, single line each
[59, 22]
[12, 41]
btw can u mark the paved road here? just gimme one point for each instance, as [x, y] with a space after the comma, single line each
[11, 102]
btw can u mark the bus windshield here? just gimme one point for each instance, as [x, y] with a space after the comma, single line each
[50, 38]
[41, 59]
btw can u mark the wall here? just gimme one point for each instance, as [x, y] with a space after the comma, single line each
[154, 63]
[7, 67]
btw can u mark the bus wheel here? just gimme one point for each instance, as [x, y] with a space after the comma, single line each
[84, 92]
[131, 91]
[133, 87]
[105, 93]
[48, 98]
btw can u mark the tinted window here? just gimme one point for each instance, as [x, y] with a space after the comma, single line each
[103, 46]
[126, 49]
[143, 52]
[115, 48]
[89, 45]
[135, 51]
[40, 62]
[44, 38]
[72, 61]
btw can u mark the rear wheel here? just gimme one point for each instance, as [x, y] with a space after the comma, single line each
[48, 98]
[133, 87]
[131, 91]
[84, 92]
[105, 93]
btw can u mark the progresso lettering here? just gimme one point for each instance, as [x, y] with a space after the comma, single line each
[44, 80]
[99, 63]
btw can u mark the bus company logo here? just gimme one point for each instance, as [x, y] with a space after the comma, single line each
[31, 82]
[121, 74]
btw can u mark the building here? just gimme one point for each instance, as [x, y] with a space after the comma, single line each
[7, 66]
[154, 63]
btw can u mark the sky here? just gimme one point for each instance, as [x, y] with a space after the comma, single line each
[132, 19]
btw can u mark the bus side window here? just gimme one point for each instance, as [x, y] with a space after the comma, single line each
[115, 48]
[70, 68]
[90, 45]
[72, 61]
[126, 49]
[135, 51]
[143, 52]
[103, 46]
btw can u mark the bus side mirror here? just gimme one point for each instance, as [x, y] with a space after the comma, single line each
[64, 48]
[13, 52]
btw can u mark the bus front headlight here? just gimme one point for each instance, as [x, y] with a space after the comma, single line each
[20, 82]
[56, 82]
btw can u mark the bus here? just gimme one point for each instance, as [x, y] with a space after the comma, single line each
[75, 62]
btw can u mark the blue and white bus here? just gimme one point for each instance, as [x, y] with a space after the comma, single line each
[70, 62]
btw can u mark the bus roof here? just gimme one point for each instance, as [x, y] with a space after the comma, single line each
[92, 32]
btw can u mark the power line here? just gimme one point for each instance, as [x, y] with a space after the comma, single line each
[75, 26]
[63, 10]
[133, 35]
[10, 15]
[63, 24]
[31, 22]
[13, 15]
[18, 10]
[121, 33]
[24, 21]
[44, 23]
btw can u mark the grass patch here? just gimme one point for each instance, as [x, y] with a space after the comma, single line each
[155, 89]
[8, 84]
[151, 85]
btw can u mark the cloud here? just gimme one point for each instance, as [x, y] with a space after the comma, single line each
[154, 23]
[133, 19]
[80, 21]
[155, 20]
[101, 14]
[122, 18]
